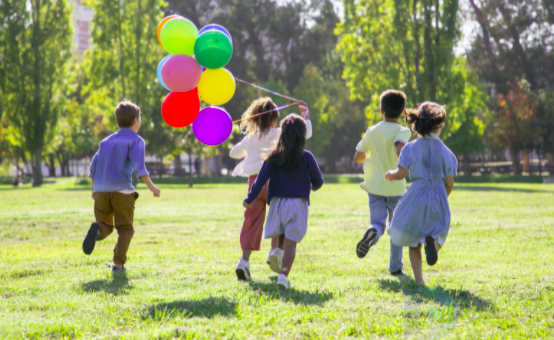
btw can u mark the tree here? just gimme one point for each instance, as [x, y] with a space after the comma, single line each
[407, 45]
[34, 47]
[514, 123]
[515, 36]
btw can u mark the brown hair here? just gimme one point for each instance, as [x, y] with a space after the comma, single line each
[392, 103]
[125, 113]
[290, 147]
[426, 118]
[253, 123]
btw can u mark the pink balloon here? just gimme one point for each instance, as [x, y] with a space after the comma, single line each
[181, 73]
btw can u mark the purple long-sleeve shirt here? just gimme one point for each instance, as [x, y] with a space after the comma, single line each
[112, 166]
[285, 183]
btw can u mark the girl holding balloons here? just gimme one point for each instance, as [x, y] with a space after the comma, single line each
[261, 135]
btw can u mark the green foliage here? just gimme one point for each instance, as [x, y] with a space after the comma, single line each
[407, 45]
[35, 40]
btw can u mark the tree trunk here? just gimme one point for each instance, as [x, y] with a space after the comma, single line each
[514, 153]
[37, 168]
[137, 52]
[190, 171]
[177, 166]
[526, 161]
[550, 158]
[85, 166]
[161, 168]
[52, 165]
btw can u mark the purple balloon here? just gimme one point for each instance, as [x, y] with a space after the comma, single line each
[212, 126]
[217, 28]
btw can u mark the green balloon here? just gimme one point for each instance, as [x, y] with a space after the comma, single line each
[178, 36]
[213, 49]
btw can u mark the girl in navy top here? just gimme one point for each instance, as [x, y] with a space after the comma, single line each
[292, 173]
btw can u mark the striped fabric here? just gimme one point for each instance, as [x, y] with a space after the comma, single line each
[288, 216]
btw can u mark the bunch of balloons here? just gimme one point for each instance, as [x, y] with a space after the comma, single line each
[193, 70]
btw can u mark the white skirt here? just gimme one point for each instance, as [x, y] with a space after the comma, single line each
[287, 216]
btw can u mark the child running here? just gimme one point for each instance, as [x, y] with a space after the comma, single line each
[261, 135]
[112, 189]
[379, 150]
[423, 214]
[292, 173]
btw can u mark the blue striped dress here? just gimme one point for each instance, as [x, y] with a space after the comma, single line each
[424, 209]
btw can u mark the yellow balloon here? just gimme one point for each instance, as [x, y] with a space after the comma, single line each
[217, 86]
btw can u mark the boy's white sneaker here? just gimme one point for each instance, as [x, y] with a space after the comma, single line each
[243, 270]
[283, 282]
[275, 259]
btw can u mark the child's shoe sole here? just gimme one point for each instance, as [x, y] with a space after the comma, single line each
[431, 254]
[90, 239]
[243, 274]
[365, 244]
[274, 264]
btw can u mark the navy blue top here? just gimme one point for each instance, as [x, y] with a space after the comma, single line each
[113, 164]
[285, 183]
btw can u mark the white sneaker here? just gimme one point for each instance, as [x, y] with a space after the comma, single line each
[283, 282]
[275, 259]
[243, 270]
[268, 256]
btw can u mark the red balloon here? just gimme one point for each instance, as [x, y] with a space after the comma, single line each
[179, 109]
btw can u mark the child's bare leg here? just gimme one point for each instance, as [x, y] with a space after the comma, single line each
[275, 242]
[280, 241]
[246, 254]
[288, 256]
[416, 261]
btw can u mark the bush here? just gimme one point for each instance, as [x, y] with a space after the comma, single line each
[85, 181]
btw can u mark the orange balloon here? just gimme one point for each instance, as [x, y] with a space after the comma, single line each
[161, 25]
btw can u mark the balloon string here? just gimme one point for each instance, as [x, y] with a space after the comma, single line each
[267, 90]
[263, 113]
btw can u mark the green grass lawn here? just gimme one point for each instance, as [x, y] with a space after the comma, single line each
[494, 278]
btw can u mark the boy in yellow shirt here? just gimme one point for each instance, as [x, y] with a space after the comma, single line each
[379, 151]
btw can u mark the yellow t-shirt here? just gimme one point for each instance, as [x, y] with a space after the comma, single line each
[379, 143]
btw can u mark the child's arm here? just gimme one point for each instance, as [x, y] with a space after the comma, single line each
[359, 157]
[136, 155]
[304, 112]
[449, 184]
[396, 175]
[92, 171]
[315, 173]
[239, 150]
[155, 190]
[258, 185]
[399, 146]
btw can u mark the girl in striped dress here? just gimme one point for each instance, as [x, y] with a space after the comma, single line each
[422, 215]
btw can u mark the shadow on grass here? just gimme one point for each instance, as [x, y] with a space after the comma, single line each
[270, 290]
[439, 295]
[463, 187]
[117, 285]
[206, 308]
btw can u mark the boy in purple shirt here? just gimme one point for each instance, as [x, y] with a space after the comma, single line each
[112, 188]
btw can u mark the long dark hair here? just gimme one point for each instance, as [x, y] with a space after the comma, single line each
[426, 118]
[290, 147]
[253, 123]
